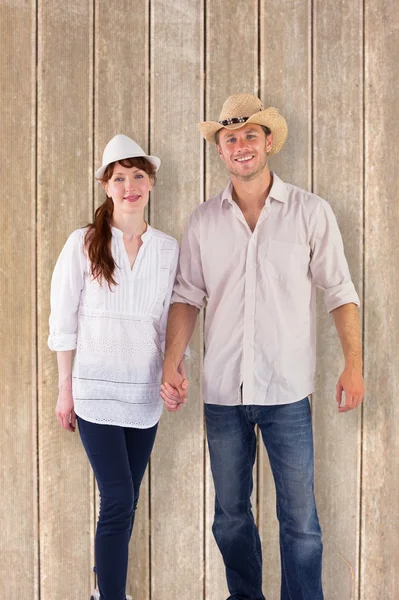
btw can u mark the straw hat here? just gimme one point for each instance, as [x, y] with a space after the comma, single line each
[121, 147]
[240, 109]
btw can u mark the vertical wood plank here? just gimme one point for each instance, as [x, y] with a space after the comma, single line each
[64, 203]
[231, 68]
[380, 484]
[177, 462]
[122, 106]
[285, 83]
[338, 177]
[18, 411]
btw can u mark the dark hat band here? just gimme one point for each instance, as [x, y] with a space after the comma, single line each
[233, 120]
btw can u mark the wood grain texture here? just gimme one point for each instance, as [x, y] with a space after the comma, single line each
[177, 485]
[338, 177]
[285, 83]
[18, 413]
[122, 106]
[380, 484]
[231, 68]
[155, 77]
[64, 203]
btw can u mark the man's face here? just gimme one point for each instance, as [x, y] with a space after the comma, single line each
[244, 150]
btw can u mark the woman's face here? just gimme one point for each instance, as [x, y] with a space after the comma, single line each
[129, 189]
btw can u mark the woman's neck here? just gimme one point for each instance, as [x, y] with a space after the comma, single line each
[131, 225]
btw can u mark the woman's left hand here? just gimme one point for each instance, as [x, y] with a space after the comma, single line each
[174, 389]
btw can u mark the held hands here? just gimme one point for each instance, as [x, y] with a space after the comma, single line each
[174, 386]
[352, 385]
[65, 408]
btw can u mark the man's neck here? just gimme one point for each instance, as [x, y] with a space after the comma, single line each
[251, 195]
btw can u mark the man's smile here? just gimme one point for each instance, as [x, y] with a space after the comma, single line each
[245, 158]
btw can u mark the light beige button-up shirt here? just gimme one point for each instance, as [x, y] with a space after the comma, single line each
[259, 292]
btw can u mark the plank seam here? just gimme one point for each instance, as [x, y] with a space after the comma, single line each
[258, 8]
[258, 461]
[312, 93]
[149, 111]
[202, 321]
[361, 466]
[149, 114]
[93, 91]
[93, 516]
[36, 297]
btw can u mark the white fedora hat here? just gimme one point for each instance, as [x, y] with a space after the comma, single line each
[121, 147]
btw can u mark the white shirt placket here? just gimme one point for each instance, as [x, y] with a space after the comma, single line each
[248, 393]
[249, 320]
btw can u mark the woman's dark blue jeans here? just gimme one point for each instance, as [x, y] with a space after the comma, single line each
[287, 434]
[119, 457]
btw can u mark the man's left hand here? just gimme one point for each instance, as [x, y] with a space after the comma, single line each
[350, 383]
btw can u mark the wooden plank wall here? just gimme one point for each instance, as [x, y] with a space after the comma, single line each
[338, 177]
[124, 108]
[72, 75]
[284, 82]
[19, 544]
[380, 474]
[64, 202]
[176, 101]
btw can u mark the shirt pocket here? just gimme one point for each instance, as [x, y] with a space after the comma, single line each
[287, 260]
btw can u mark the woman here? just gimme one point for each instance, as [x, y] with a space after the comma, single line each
[110, 295]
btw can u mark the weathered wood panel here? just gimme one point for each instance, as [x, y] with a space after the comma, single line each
[338, 177]
[380, 482]
[231, 68]
[64, 203]
[171, 553]
[18, 414]
[177, 464]
[122, 106]
[285, 83]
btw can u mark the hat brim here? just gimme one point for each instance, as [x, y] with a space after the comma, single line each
[270, 118]
[154, 160]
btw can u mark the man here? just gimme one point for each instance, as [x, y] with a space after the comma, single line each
[255, 254]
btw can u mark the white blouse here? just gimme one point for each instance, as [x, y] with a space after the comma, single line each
[118, 331]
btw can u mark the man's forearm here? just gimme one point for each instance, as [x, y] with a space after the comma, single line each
[347, 323]
[181, 324]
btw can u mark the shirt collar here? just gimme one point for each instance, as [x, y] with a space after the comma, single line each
[118, 233]
[227, 194]
[278, 191]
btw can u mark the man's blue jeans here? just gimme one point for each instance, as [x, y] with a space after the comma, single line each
[287, 434]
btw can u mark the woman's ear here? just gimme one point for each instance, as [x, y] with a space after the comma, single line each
[105, 186]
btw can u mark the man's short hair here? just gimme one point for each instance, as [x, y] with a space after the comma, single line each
[265, 129]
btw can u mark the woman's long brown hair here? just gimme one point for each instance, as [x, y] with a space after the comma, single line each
[99, 233]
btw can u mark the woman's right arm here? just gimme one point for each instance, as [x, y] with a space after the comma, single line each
[66, 288]
[65, 407]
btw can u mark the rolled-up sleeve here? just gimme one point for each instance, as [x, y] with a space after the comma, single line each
[190, 286]
[66, 287]
[328, 264]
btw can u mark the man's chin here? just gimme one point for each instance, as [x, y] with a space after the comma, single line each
[247, 176]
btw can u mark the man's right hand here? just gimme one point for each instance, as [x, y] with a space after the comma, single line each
[174, 386]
